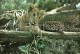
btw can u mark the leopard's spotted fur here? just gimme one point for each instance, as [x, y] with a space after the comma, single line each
[68, 25]
[53, 26]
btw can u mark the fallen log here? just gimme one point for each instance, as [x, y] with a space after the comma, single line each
[21, 36]
[28, 36]
[66, 35]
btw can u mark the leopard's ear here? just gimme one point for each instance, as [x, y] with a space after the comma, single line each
[31, 6]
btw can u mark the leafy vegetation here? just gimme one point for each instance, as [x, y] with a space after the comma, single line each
[50, 46]
[47, 5]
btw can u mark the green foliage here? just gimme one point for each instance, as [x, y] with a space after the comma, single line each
[22, 4]
[44, 45]
[24, 48]
[47, 4]
[40, 4]
[50, 4]
[36, 46]
[7, 5]
[14, 4]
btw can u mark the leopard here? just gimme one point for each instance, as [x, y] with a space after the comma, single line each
[53, 26]
[60, 26]
[71, 22]
[30, 18]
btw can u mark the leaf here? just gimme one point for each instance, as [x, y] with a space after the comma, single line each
[24, 48]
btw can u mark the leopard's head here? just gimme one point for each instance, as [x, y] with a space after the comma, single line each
[74, 19]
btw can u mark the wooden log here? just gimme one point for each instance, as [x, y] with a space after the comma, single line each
[27, 36]
[21, 36]
[65, 35]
